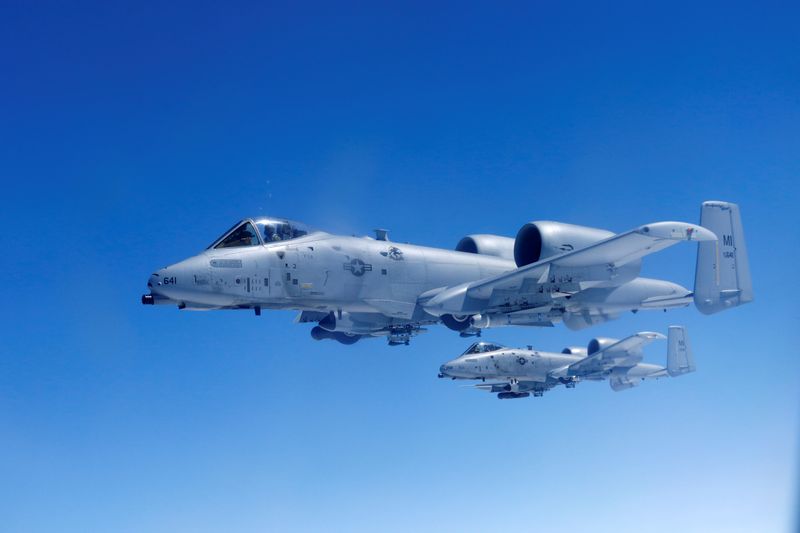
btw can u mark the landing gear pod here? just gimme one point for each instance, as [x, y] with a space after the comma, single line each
[318, 333]
[456, 322]
[512, 395]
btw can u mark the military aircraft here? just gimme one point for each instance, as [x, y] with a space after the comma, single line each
[355, 287]
[518, 373]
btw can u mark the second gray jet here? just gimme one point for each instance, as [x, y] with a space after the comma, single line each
[517, 373]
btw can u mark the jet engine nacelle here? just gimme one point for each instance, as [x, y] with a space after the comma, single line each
[599, 343]
[487, 245]
[541, 239]
[575, 350]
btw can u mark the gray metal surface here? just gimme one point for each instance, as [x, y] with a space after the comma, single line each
[355, 287]
[518, 373]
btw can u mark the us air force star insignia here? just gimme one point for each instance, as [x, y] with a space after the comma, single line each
[357, 267]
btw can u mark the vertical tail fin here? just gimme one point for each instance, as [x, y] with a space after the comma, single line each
[722, 275]
[679, 354]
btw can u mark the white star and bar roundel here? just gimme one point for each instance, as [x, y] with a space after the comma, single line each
[357, 267]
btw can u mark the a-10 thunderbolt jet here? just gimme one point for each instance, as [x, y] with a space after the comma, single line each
[519, 373]
[355, 287]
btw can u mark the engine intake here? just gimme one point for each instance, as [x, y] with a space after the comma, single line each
[494, 245]
[575, 350]
[542, 239]
[599, 343]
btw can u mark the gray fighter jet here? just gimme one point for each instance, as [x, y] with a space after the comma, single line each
[519, 373]
[354, 287]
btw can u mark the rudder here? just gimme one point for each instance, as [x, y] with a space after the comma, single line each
[679, 354]
[722, 275]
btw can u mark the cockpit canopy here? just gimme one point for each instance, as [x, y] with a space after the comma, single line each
[482, 347]
[262, 230]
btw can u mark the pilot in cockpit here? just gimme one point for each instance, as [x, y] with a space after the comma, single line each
[271, 230]
[270, 233]
[482, 347]
[280, 231]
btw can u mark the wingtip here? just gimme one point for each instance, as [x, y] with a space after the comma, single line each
[651, 335]
[677, 231]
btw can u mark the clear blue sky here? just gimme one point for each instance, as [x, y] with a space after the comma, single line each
[131, 135]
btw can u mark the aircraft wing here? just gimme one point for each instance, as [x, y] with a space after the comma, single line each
[626, 352]
[563, 275]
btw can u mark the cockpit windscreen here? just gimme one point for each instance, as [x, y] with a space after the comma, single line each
[482, 347]
[243, 235]
[261, 230]
[274, 230]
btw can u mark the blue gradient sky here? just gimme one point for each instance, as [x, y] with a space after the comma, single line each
[131, 135]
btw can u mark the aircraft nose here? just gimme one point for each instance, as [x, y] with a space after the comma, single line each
[446, 370]
[155, 285]
[156, 279]
[179, 281]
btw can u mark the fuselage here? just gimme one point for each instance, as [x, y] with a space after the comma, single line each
[507, 364]
[321, 272]
[515, 364]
